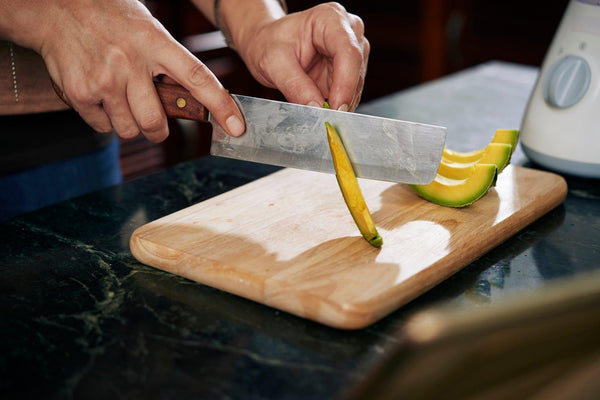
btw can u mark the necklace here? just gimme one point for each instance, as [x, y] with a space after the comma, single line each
[14, 71]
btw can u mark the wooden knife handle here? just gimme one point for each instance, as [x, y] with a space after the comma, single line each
[177, 101]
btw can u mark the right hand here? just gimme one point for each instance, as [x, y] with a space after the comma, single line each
[104, 54]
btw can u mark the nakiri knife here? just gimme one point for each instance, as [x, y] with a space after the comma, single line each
[291, 135]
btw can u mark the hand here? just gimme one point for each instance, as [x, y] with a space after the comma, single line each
[104, 54]
[310, 56]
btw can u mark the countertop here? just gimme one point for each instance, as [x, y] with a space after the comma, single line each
[80, 318]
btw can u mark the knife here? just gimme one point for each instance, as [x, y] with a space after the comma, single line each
[292, 135]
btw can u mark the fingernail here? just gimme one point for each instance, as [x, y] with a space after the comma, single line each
[235, 126]
[314, 104]
[343, 107]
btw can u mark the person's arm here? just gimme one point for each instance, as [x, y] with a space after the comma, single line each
[309, 56]
[271, 9]
[104, 54]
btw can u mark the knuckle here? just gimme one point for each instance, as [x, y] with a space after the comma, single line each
[200, 75]
[294, 85]
[105, 77]
[273, 55]
[103, 127]
[366, 49]
[358, 25]
[81, 94]
[98, 124]
[355, 50]
[223, 104]
[104, 82]
[268, 59]
[115, 56]
[77, 97]
[334, 6]
[151, 121]
[128, 133]
[157, 138]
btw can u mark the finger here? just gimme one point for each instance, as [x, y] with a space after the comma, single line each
[147, 110]
[294, 83]
[121, 118]
[103, 105]
[347, 70]
[189, 72]
[89, 109]
[95, 116]
[349, 50]
[361, 80]
[358, 92]
[358, 95]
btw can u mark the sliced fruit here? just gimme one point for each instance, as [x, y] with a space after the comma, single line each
[507, 136]
[350, 190]
[495, 153]
[459, 192]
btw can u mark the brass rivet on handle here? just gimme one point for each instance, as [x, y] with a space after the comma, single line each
[181, 103]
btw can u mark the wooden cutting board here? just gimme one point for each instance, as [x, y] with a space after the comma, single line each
[288, 241]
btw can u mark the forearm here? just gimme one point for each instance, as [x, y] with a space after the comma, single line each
[28, 22]
[238, 18]
[19, 21]
[103, 56]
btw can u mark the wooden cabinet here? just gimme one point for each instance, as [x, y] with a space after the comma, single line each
[413, 42]
[510, 30]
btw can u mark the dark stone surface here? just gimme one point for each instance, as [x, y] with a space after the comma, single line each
[80, 318]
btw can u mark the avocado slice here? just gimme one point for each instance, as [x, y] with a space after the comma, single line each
[459, 192]
[507, 136]
[350, 190]
[495, 153]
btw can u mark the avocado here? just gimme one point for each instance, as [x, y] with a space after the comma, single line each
[350, 190]
[460, 192]
[495, 153]
[507, 136]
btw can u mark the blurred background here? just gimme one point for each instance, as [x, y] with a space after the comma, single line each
[411, 42]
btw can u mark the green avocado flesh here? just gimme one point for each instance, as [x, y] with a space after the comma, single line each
[459, 192]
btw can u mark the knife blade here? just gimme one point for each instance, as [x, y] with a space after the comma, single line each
[292, 135]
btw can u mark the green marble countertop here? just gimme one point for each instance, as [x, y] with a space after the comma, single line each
[82, 319]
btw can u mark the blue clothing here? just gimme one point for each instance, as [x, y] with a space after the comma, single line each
[40, 186]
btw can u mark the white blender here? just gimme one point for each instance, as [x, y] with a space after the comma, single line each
[561, 126]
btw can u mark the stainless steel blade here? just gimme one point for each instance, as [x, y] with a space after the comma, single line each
[291, 135]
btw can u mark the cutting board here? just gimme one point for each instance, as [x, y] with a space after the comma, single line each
[288, 241]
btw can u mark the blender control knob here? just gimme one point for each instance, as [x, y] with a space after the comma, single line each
[567, 81]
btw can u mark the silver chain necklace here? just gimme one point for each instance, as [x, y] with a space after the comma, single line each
[14, 71]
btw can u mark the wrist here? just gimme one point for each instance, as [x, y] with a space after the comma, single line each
[238, 19]
[16, 26]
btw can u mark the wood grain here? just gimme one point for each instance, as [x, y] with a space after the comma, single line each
[178, 102]
[288, 241]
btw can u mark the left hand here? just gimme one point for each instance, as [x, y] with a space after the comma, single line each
[317, 54]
